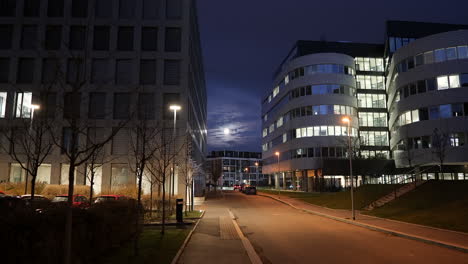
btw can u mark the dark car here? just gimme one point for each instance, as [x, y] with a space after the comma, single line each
[79, 201]
[250, 190]
[110, 198]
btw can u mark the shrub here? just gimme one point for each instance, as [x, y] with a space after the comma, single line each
[53, 190]
[32, 237]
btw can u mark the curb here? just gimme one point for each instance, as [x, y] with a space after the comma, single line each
[187, 239]
[376, 228]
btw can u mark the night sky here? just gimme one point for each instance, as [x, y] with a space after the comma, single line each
[244, 41]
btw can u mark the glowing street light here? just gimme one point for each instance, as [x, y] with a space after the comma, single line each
[347, 120]
[277, 154]
[174, 108]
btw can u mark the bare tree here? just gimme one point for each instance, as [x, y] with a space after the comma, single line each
[143, 149]
[188, 170]
[161, 164]
[440, 144]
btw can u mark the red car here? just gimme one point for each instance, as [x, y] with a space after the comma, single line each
[79, 201]
[237, 187]
[2, 194]
[110, 198]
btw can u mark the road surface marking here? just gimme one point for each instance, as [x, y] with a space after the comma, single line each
[253, 256]
[226, 229]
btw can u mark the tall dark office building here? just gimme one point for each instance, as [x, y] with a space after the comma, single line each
[140, 55]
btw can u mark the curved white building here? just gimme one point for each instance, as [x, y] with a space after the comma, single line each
[405, 98]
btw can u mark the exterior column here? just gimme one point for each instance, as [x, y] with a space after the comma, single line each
[284, 180]
[55, 173]
[277, 185]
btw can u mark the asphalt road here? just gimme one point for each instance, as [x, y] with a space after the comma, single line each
[281, 234]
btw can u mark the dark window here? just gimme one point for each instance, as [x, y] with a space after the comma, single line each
[146, 109]
[125, 38]
[25, 70]
[71, 105]
[123, 74]
[151, 9]
[405, 91]
[50, 69]
[100, 71]
[421, 86]
[75, 71]
[53, 38]
[423, 114]
[7, 7]
[433, 112]
[173, 39]
[412, 88]
[332, 152]
[50, 103]
[31, 8]
[97, 106]
[77, 37]
[431, 84]
[6, 32]
[149, 38]
[121, 105]
[171, 72]
[4, 70]
[325, 152]
[457, 109]
[101, 38]
[80, 8]
[103, 8]
[464, 80]
[55, 8]
[410, 63]
[148, 72]
[317, 152]
[173, 9]
[29, 37]
[127, 8]
[168, 100]
[419, 59]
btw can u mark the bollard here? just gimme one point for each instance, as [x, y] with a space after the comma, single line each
[179, 209]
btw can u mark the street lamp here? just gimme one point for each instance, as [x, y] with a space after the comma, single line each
[257, 177]
[174, 108]
[246, 170]
[277, 182]
[347, 120]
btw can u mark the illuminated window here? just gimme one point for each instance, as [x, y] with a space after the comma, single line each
[23, 105]
[442, 82]
[3, 100]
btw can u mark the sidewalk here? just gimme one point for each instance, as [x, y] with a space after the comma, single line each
[215, 239]
[441, 237]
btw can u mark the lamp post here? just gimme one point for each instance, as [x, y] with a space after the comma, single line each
[256, 170]
[277, 182]
[246, 170]
[347, 120]
[173, 108]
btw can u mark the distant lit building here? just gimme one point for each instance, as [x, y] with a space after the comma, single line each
[236, 167]
[395, 94]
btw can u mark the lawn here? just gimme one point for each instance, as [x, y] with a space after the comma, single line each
[154, 248]
[363, 196]
[442, 204]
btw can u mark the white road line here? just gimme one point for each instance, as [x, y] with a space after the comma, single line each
[253, 256]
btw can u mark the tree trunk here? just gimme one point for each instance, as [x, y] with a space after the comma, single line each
[91, 185]
[69, 215]
[151, 199]
[137, 222]
[163, 204]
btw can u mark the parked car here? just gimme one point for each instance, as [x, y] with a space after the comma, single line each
[2, 194]
[79, 201]
[39, 203]
[36, 197]
[237, 187]
[250, 190]
[110, 198]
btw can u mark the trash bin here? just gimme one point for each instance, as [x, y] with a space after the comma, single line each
[179, 210]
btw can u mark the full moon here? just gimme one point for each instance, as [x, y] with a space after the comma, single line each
[227, 131]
